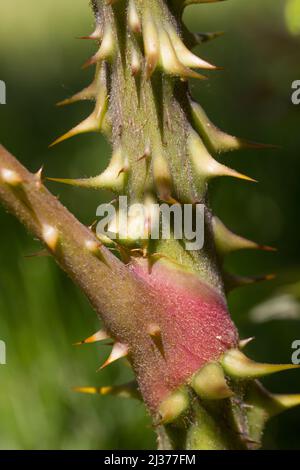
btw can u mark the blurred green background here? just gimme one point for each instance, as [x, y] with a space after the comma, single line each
[42, 313]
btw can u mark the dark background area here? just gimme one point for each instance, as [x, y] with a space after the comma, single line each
[42, 313]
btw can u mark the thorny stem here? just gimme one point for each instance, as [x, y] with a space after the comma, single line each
[108, 285]
[112, 289]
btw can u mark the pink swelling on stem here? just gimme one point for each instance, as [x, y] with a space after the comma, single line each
[195, 329]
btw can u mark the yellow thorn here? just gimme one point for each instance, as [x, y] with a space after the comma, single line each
[119, 351]
[225, 171]
[151, 42]
[39, 177]
[107, 48]
[135, 63]
[96, 34]
[287, 401]
[89, 390]
[10, 177]
[210, 383]
[239, 366]
[169, 61]
[50, 236]
[156, 336]
[173, 406]
[94, 247]
[91, 124]
[128, 390]
[205, 165]
[244, 342]
[186, 57]
[227, 241]
[133, 18]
